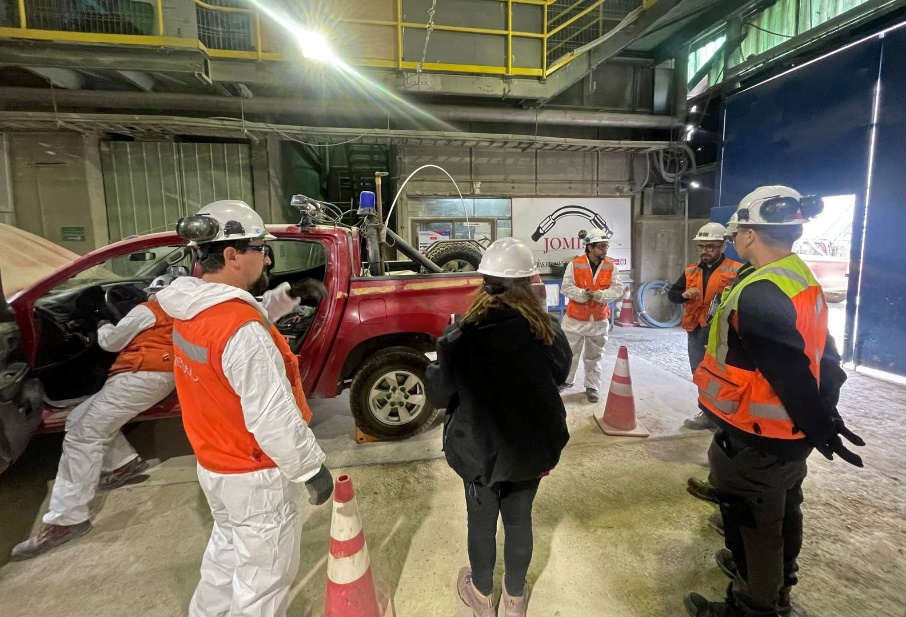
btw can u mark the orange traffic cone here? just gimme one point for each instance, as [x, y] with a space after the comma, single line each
[351, 590]
[627, 315]
[619, 412]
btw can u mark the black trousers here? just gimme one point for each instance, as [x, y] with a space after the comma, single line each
[761, 497]
[513, 502]
[697, 341]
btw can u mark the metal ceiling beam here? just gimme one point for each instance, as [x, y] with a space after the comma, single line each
[59, 78]
[96, 57]
[161, 127]
[706, 20]
[139, 79]
[297, 106]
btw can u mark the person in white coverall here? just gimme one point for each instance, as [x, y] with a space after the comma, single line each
[590, 282]
[94, 448]
[245, 415]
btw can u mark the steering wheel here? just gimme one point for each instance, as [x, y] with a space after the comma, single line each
[120, 299]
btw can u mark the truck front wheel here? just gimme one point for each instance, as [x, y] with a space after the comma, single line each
[388, 395]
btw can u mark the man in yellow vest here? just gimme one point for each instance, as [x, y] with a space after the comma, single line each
[695, 289]
[245, 415]
[770, 380]
[96, 455]
[590, 282]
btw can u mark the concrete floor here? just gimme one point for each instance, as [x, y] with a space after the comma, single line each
[615, 532]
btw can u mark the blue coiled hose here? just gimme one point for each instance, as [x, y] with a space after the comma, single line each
[638, 303]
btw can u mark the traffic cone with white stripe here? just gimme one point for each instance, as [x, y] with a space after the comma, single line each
[619, 412]
[627, 315]
[351, 590]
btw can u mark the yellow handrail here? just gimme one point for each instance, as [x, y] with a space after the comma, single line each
[509, 37]
[223, 9]
[465, 29]
[574, 18]
[399, 34]
[551, 25]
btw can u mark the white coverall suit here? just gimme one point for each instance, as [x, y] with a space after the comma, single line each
[587, 338]
[93, 441]
[252, 556]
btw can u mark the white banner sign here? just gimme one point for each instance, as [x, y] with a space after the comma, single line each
[550, 226]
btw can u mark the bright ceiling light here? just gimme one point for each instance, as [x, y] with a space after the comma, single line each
[694, 184]
[315, 47]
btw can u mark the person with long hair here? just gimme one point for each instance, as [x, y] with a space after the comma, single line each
[497, 373]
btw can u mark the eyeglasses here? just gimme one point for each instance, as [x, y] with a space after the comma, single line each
[601, 246]
[261, 248]
[708, 248]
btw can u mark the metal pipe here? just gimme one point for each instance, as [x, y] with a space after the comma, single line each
[409, 251]
[347, 109]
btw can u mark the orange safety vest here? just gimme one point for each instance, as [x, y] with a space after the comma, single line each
[211, 409]
[149, 350]
[587, 311]
[745, 399]
[695, 310]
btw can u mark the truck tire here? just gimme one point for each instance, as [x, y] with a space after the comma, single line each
[833, 297]
[388, 395]
[456, 257]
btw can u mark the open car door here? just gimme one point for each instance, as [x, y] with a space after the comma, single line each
[21, 395]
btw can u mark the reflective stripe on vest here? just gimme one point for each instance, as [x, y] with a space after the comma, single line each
[149, 350]
[582, 276]
[695, 310]
[744, 398]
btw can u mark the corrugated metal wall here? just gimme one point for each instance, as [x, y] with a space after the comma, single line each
[150, 185]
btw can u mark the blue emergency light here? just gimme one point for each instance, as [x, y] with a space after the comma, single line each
[366, 202]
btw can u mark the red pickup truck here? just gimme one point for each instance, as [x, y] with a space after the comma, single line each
[370, 333]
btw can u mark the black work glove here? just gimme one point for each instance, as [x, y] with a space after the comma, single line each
[835, 445]
[319, 486]
[309, 291]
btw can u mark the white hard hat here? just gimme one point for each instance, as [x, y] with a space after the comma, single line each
[594, 236]
[508, 258]
[159, 283]
[774, 205]
[711, 232]
[228, 219]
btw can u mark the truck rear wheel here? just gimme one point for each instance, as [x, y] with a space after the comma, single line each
[388, 395]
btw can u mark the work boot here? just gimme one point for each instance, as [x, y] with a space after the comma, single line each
[699, 422]
[123, 475]
[725, 561]
[514, 606]
[592, 395]
[703, 490]
[48, 537]
[481, 605]
[727, 565]
[716, 521]
[699, 606]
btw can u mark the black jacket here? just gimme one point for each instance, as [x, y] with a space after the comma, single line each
[767, 340]
[505, 418]
[676, 291]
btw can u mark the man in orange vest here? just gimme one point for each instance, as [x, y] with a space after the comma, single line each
[695, 289]
[245, 415]
[94, 448]
[770, 379]
[590, 282]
